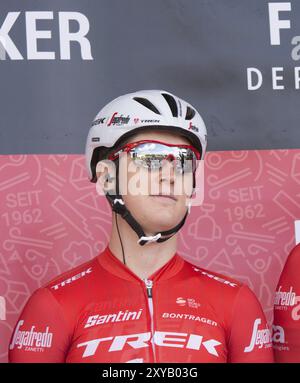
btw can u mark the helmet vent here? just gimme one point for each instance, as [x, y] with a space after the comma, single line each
[147, 104]
[190, 113]
[172, 103]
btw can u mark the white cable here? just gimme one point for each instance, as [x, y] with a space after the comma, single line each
[150, 239]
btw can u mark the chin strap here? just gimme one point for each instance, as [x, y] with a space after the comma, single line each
[118, 206]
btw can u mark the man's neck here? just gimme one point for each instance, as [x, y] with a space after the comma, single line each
[141, 260]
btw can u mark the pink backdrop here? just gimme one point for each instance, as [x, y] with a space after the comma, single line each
[52, 219]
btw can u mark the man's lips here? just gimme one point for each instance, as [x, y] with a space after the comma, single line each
[167, 196]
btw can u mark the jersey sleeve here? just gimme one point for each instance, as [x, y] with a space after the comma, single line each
[41, 333]
[250, 338]
[286, 327]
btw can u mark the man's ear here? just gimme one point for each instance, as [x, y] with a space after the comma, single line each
[106, 174]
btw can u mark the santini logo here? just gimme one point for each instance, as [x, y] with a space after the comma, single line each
[121, 316]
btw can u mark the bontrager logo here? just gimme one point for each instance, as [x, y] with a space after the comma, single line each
[121, 316]
[31, 340]
[72, 279]
[259, 337]
[285, 298]
[141, 340]
[189, 317]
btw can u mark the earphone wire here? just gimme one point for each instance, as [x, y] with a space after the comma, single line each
[116, 219]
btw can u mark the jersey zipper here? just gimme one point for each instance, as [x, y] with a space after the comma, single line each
[149, 285]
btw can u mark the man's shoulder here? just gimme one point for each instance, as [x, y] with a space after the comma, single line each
[213, 278]
[294, 255]
[68, 278]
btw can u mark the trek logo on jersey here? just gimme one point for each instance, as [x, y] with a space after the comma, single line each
[118, 120]
[216, 278]
[190, 302]
[160, 338]
[72, 279]
[259, 338]
[121, 316]
[283, 299]
[31, 340]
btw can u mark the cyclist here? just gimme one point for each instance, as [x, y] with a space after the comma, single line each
[286, 328]
[139, 301]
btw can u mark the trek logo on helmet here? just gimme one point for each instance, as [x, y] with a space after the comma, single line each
[150, 121]
[99, 121]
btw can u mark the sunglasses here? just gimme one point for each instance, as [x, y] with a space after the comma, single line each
[151, 154]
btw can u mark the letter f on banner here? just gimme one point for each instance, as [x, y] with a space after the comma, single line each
[2, 308]
[275, 23]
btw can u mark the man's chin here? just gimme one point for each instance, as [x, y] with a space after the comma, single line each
[163, 223]
[163, 200]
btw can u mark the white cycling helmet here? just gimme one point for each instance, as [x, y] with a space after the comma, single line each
[134, 112]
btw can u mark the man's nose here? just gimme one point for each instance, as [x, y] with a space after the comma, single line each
[167, 171]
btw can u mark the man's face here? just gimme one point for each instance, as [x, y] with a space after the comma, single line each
[157, 199]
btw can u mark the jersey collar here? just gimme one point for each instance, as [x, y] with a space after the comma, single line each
[114, 266]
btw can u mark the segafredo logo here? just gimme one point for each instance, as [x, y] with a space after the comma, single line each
[118, 120]
[278, 334]
[181, 301]
[279, 17]
[32, 35]
[296, 309]
[259, 338]
[279, 342]
[284, 299]
[72, 279]
[142, 340]
[31, 340]
[193, 127]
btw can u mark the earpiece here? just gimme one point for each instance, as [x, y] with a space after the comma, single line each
[109, 178]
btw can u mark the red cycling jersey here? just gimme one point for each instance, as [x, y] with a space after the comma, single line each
[102, 312]
[286, 328]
